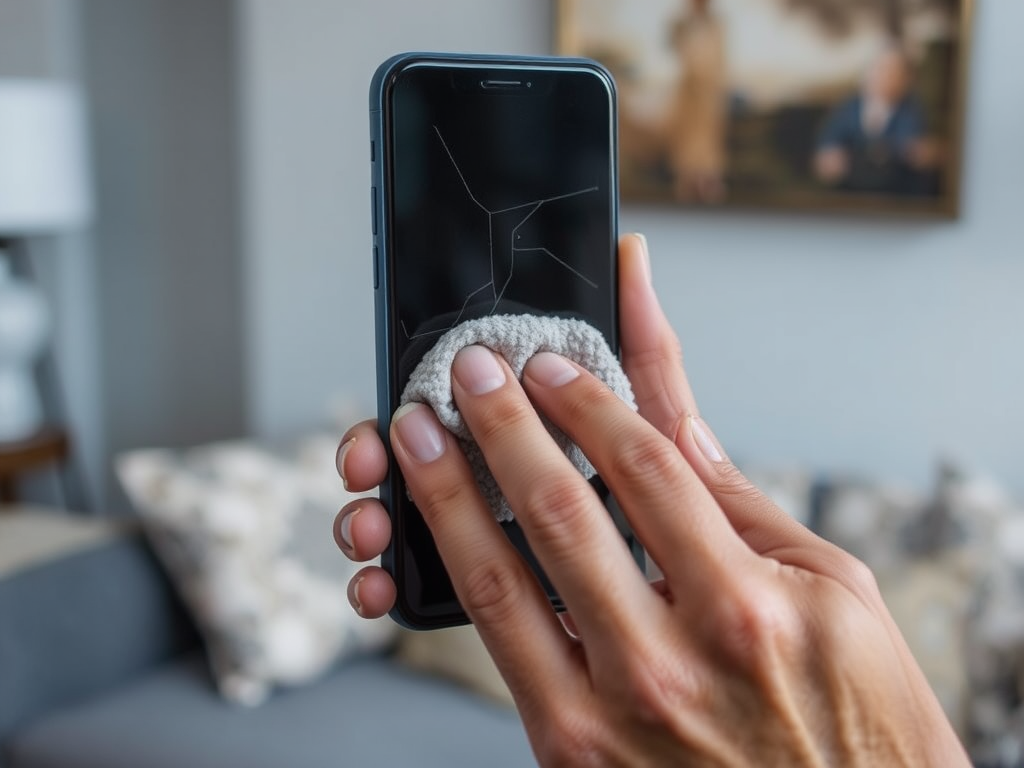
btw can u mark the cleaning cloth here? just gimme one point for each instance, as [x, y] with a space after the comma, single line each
[516, 338]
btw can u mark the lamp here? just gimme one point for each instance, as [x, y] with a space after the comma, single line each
[44, 189]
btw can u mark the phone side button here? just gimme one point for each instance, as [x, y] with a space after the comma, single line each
[373, 208]
[376, 268]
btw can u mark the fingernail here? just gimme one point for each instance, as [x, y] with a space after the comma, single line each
[569, 625]
[705, 440]
[345, 529]
[420, 433]
[647, 255]
[339, 459]
[356, 602]
[477, 370]
[550, 370]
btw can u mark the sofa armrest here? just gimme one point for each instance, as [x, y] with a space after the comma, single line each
[79, 620]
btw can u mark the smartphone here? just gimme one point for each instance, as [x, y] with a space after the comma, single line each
[494, 191]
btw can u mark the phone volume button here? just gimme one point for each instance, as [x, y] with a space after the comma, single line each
[373, 208]
[376, 268]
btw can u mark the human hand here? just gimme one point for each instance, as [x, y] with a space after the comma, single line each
[764, 645]
[652, 360]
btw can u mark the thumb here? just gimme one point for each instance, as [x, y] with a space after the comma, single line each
[652, 357]
[651, 353]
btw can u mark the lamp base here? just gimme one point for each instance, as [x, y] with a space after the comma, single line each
[24, 328]
[21, 410]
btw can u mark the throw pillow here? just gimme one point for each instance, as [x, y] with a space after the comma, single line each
[245, 535]
[951, 569]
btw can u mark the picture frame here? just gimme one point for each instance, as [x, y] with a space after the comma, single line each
[828, 105]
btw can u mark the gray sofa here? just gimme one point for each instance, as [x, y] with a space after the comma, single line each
[100, 667]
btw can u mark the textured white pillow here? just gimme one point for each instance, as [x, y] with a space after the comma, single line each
[246, 537]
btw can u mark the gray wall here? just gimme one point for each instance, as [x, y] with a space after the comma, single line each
[148, 303]
[305, 81]
[840, 343]
[161, 79]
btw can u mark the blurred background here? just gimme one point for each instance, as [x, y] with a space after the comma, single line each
[212, 282]
[223, 285]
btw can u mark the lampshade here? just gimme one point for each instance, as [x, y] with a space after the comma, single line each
[44, 184]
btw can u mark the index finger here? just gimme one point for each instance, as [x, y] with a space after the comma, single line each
[493, 583]
[567, 525]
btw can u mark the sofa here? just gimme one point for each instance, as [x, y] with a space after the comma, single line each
[102, 667]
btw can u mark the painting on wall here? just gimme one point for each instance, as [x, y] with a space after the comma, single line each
[800, 104]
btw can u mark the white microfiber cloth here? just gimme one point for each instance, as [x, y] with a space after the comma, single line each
[516, 338]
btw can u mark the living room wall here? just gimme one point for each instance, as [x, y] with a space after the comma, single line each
[160, 76]
[40, 39]
[844, 344]
[856, 344]
[146, 303]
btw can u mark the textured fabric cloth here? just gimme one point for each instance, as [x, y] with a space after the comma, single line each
[516, 338]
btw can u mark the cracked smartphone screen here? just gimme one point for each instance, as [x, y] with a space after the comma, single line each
[500, 198]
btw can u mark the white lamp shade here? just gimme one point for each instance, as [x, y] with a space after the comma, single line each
[44, 183]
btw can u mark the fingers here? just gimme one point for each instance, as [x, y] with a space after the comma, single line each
[653, 361]
[757, 519]
[651, 354]
[766, 528]
[362, 530]
[567, 525]
[493, 583]
[362, 460]
[667, 505]
[371, 592]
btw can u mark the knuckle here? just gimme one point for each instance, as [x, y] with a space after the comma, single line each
[672, 350]
[492, 590]
[570, 740]
[667, 352]
[658, 689]
[592, 396]
[436, 500]
[858, 575]
[645, 458]
[757, 624]
[732, 483]
[558, 509]
[500, 416]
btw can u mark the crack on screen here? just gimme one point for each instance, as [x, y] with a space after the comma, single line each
[530, 208]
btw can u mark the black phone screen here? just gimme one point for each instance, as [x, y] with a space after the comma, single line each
[500, 198]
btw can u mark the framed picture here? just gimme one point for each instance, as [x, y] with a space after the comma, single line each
[825, 104]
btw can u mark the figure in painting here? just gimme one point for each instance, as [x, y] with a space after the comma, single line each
[696, 141]
[876, 141]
